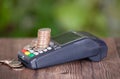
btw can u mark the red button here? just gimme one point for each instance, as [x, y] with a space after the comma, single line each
[24, 50]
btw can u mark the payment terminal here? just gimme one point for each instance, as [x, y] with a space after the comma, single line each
[64, 48]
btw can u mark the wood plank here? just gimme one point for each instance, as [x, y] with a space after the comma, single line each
[109, 68]
[117, 41]
[9, 49]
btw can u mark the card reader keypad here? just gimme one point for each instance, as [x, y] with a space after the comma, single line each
[28, 53]
[31, 53]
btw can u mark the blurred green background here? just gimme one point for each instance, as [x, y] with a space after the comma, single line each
[22, 18]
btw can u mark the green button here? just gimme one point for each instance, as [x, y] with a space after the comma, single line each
[31, 55]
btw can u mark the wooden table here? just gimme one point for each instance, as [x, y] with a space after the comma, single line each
[109, 68]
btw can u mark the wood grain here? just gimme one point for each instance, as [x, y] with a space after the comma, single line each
[108, 68]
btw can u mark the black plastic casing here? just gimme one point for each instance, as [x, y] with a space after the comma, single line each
[88, 46]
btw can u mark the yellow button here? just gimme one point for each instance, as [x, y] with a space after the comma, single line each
[27, 53]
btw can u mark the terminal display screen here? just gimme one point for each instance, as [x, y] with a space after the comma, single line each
[66, 38]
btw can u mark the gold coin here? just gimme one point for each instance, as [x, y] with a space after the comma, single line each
[18, 69]
[15, 64]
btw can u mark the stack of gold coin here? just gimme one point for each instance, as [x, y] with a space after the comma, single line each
[43, 39]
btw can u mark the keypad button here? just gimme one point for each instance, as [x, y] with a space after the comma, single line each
[49, 48]
[36, 53]
[27, 53]
[31, 55]
[23, 50]
[40, 51]
[31, 51]
[45, 50]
